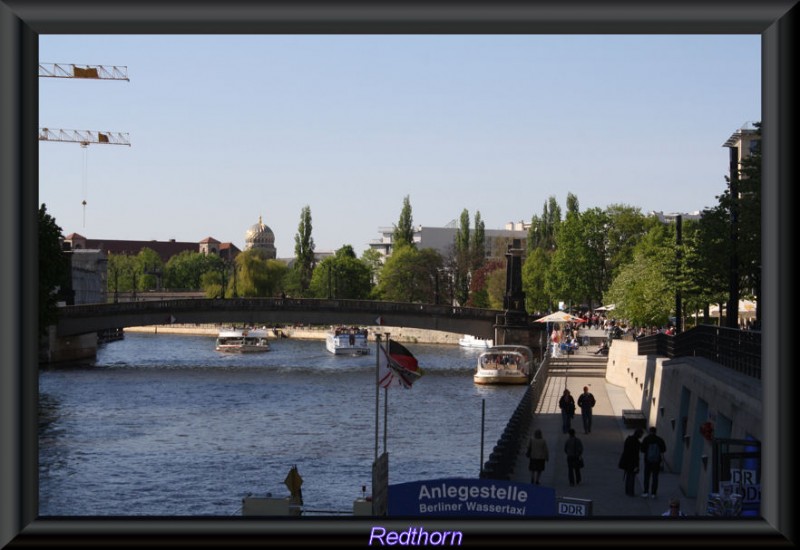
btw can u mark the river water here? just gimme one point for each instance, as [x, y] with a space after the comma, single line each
[163, 425]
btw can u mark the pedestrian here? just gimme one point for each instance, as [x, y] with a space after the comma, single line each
[574, 450]
[653, 449]
[629, 461]
[567, 406]
[674, 510]
[586, 402]
[537, 455]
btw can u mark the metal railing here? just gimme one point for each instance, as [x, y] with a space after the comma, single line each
[503, 458]
[739, 350]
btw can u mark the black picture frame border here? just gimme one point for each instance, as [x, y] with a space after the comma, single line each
[22, 21]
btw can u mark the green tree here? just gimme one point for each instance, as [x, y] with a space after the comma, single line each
[626, 227]
[410, 275]
[122, 272]
[404, 230]
[478, 243]
[54, 269]
[374, 260]
[148, 261]
[186, 269]
[257, 276]
[342, 276]
[567, 279]
[304, 251]
[534, 278]
[542, 232]
[462, 259]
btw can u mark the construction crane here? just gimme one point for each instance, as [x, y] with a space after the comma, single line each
[84, 137]
[68, 70]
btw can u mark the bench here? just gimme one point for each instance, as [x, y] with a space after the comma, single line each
[634, 418]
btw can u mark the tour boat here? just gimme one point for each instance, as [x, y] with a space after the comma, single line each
[504, 365]
[347, 341]
[242, 340]
[469, 341]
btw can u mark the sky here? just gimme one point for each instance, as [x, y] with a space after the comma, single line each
[227, 129]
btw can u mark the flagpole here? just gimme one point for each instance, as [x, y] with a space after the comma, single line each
[386, 403]
[377, 389]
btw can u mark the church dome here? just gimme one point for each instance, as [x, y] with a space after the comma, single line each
[261, 237]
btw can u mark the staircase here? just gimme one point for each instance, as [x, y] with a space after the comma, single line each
[581, 364]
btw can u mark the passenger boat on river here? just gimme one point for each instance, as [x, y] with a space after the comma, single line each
[242, 340]
[347, 341]
[504, 365]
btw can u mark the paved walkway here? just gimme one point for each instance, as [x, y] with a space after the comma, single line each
[602, 481]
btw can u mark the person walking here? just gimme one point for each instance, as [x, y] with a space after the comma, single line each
[574, 450]
[586, 402]
[629, 461]
[653, 449]
[537, 455]
[567, 405]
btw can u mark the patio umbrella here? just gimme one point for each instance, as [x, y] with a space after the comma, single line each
[609, 307]
[559, 317]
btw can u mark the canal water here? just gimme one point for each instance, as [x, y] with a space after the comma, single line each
[163, 425]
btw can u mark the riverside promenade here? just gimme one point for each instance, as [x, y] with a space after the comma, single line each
[602, 482]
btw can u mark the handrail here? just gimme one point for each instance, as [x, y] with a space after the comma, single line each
[736, 349]
[503, 458]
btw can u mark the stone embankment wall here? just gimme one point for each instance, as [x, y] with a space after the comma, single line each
[680, 395]
[400, 334]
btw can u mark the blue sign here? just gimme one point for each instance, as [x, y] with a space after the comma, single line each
[471, 497]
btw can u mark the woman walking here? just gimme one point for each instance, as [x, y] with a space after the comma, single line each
[537, 455]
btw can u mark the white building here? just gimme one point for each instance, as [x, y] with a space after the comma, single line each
[442, 239]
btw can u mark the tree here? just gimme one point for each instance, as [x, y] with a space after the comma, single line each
[568, 279]
[185, 270]
[54, 269]
[404, 230]
[342, 276]
[374, 260]
[478, 243]
[411, 275]
[304, 250]
[542, 232]
[479, 291]
[462, 259]
[146, 262]
[534, 277]
[256, 275]
[626, 227]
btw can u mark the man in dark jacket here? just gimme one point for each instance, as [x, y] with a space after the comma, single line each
[629, 461]
[653, 449]
[586, 401]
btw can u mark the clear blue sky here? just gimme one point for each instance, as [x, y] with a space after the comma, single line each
[225, 129]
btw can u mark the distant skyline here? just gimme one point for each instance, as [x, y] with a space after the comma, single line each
[225, 129]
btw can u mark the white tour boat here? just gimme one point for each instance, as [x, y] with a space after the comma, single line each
[469, 341]
[242, 340]
[504, 365]
[347, 341]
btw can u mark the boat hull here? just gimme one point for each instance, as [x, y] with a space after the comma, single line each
[499, 379]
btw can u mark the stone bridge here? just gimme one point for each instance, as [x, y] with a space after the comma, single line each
[84, 319]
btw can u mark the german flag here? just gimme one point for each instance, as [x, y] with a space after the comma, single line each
[398, 364]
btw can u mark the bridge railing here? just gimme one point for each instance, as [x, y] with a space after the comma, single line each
[739, 350]
[286, 304]
[503, 458]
